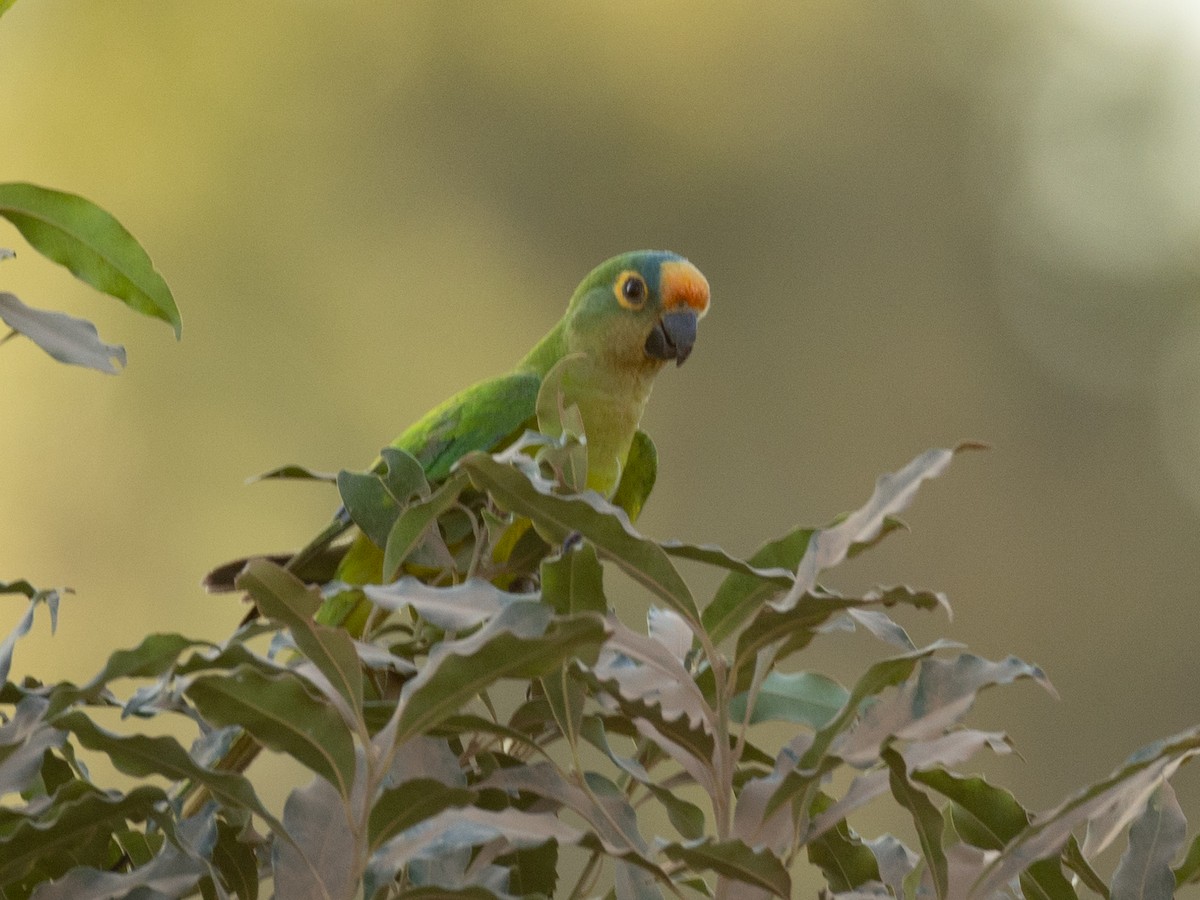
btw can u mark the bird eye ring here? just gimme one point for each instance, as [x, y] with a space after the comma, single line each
[631, 290]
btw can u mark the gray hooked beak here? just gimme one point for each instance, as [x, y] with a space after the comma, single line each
[673, 336]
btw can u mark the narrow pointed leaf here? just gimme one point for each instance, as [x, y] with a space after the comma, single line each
[281, 714]
[94, 246]
[458, 607]
[926, 818]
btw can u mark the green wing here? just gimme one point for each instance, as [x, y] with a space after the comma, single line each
[485, 416]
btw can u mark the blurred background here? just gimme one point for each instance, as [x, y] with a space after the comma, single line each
[922, 221]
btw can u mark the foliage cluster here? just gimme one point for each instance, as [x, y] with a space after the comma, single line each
[480, 742]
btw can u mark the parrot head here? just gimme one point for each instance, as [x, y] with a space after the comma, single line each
[646, 304]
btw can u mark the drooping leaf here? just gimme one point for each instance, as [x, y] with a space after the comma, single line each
[593, 517]
[94, 246]
[734, 860]
[68, 339]
[1155, 838]
[524, 640]
[801, 697]
[322, 858]
[926, 818]
[282, 715]
[282, 596]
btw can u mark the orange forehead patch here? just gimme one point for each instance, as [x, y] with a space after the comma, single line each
[682, 284]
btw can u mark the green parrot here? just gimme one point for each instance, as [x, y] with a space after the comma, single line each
[629, 317]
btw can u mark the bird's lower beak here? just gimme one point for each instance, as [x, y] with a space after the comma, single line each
[673, 336]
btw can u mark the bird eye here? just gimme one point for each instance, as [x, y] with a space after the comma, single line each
[631, 290]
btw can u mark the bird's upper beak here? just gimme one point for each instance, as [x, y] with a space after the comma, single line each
[684, 292]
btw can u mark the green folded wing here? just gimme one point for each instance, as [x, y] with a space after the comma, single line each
[485, 416]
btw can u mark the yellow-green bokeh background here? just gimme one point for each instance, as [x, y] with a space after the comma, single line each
[922, 222]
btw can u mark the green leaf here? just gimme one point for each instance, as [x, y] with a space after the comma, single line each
[76, 233]
[802, 697]
[988, 817]
[67, 339]
[6, 5]
[734, 860]
[573, 581]
[523, 641]
[597, 520]
[282, 715]
[403, 536]
[281, 596]
[1155, 838]
[846, 862]
[235, 860]
[1189, 870]
[926, 817]
[139, 755]
[79, 818]
[410, 803]
[742, 594]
